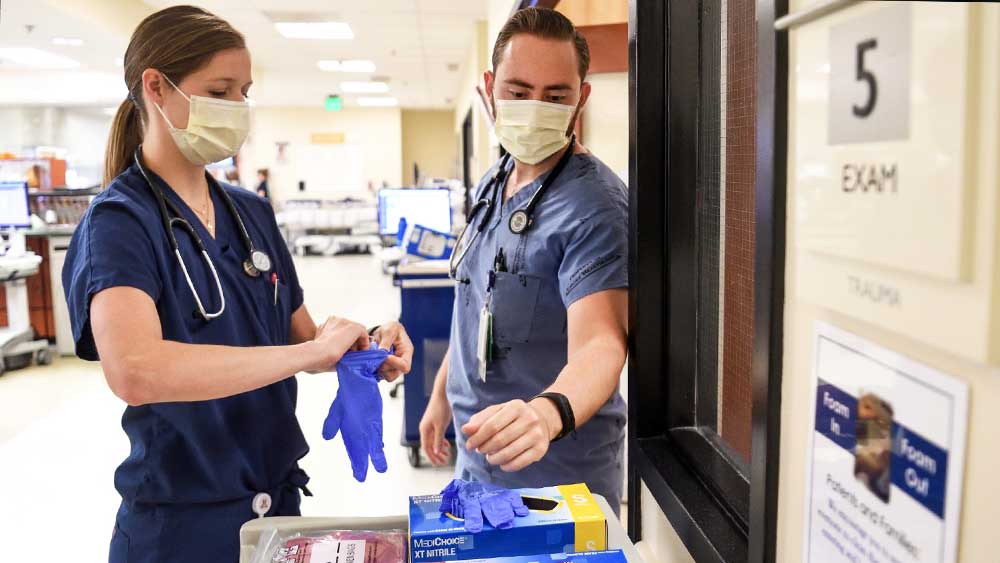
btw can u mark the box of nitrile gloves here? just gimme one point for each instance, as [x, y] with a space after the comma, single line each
[564, 519]
[615, 556]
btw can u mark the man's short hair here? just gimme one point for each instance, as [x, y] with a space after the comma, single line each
[547, 24]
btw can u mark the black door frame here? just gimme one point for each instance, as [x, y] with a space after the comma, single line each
[663, 140]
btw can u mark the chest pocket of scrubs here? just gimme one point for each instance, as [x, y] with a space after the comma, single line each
[515, 297]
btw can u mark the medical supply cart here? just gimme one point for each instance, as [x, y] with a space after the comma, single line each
[17, 342]
[251, 532]
[427, 296]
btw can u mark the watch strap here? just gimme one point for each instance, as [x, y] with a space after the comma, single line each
[565, 413]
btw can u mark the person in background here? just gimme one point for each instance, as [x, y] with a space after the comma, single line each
[185, 291]
[262, 189]
[533, 392]
[233, 177]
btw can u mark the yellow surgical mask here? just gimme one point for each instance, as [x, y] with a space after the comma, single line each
[215, 131]
[531, 130]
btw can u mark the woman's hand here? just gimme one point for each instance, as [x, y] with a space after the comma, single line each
[335, 337]
[433, 425]
[392, 334]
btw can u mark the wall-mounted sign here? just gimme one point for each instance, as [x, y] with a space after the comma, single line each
[885, 459]
[893, 181]
[880, 117]
[326, 138]
[870, 77]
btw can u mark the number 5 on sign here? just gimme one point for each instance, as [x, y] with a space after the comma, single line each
[870, 77]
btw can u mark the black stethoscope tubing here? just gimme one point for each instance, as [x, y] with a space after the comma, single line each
[256, 262]
[522, 219]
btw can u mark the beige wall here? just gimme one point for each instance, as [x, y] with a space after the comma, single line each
[374, 135]
[429, 140]
[594, 12]
[467, 99]
[660, 542]
[605, 120]
[981, 495]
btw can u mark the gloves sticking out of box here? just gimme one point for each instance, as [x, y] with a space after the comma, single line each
[473, 501]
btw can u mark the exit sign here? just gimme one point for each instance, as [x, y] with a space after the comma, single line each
[333, 103]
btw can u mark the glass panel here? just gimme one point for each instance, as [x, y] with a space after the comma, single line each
[727, 155]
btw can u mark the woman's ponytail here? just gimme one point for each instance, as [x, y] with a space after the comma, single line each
[125, 137]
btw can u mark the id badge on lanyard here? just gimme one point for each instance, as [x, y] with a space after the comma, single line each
[484, 343]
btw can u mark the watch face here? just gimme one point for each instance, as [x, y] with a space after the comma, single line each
[261, 261]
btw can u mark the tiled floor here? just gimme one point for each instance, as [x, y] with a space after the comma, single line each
[61, 439]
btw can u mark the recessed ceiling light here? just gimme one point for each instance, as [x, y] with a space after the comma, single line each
[315, 30]
[358, 65]
[364, 87]
[346, 66]
[378, 102]
[67, 41]
[29, 57]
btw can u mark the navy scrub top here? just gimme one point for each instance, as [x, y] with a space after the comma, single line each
[205, 451]
[576, 246]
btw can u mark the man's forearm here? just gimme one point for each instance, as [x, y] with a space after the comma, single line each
[589, 379]
[441, 379]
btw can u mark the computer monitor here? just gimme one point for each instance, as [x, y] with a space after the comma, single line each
[430, 208]
[14, 211]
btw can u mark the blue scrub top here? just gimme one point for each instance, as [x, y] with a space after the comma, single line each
[576, 246]
[205, 451]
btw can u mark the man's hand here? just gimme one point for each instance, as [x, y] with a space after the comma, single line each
[334, 337]
[392, 334]
[515, 434]
[433, 425]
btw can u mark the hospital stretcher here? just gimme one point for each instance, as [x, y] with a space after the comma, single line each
[251, 531]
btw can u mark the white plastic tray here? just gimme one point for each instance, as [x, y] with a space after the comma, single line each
[250, 532]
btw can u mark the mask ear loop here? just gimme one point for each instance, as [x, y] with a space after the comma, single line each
[160, 109]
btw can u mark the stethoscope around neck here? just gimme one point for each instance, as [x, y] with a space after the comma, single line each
[257, 261]
[520, 221]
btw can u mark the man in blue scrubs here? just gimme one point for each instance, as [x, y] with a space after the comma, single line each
[556, 292]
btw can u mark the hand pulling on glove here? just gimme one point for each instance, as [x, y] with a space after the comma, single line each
[356, 413]
[473, 501]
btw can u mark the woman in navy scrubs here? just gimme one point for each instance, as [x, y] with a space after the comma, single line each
[185, 291]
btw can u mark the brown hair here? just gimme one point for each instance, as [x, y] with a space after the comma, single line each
[264, 172]
[547, 24]
[175, 41]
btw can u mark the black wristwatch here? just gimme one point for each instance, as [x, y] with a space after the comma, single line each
[565, 413]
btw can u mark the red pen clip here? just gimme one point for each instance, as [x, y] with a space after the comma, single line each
[274, 281]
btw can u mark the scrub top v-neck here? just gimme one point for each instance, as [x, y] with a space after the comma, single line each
[204, 451]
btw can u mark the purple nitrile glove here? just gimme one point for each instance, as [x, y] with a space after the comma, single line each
[474, 501]
[356, 413]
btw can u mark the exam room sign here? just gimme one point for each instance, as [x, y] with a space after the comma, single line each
[884, 472]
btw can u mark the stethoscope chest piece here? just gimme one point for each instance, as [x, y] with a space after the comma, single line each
[519, 221]
[258, 262]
